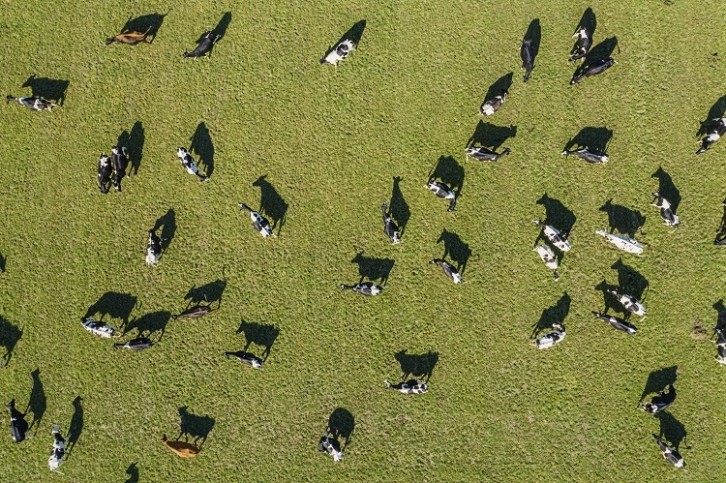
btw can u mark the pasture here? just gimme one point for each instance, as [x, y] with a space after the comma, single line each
[322, 146]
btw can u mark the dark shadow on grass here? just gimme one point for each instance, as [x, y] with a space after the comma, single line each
[38, 403]
[167, 223]
[455, 248]
[500, 85]
[610, 301]
[556, 214]
[530, 43]
[450, 172]
[208, 293]
[202, 145]
[264, 335]
[10, 334]
[3, 262]
[721, 233]
[76, 427]
[601, 51]
[552, 315]
[271, 203]
[624, 220]
[114, 304]
[720, 315]
[195, 427]
[133, 472]
[134, 142]
[491, 136]
[667, 189]
[150, 22]
[659, 379]
[150, 324]
[341, 425]
[418, 365]
[354, 34]
[587, 21]
[50, 89]
[630, 281]
[716, 112]
[398, 207]
[671, 429]
[223, 25]
[593, 138]
[373, 269]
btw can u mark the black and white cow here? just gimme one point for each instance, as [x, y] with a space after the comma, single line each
[588, 155]
[547, 255]
[597, 67]
[137, 344]
[389, 226]
[105, 173]
[340, 52]
[555, 236]
[666, 212]
[364, 288]
[413, 386]
[622, 242]
[448, 269]
[259, 222]
[34, 103]
[670, 454]
[59, 449]
[617, 323]
[443, 191]
[153, 249]
[481, 153]
[582, 44]
[204, 45]
[246, 358]
[629, 303]
[492, 105]
[120, 161]
[330, 446]
[551, 338]
[189, 164]
[720, 345]
[18, 424]
[713, 134]
[661, 402]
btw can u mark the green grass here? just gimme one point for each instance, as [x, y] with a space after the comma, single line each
[330, 142]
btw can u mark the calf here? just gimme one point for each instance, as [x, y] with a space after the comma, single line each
[259, 222]
[617, 323]
[34, 103]
[557, 238]
[331, 447]
[629, 303]
[448, 269]
[443, 191]
[622, 242]
[492, 105]
[99, 328]
[551, 338]
[246, 358]
[670, 454]
[341, 51]
[188, 162]
[130, 38]
[59, 449]
[588, 155]
[364, 288]
[713, 134]
[18, 424]
[661, 402]
[582, 44]
[105, 171]
[120, 160]
[153, 249]
[527, 54]
[482, 153]
[389, 226]
[204, 45]
[597, 67]
[666, 212]
[547, 255]
[413, 386]
[137, 344]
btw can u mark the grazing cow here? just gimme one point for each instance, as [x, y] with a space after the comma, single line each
[34, 103]
[713, 134]
[341, 51]
[557, 238]
[670, 454]
[448, 269]
[18, 424]
[720, 345]
[99, 328]
[389, 226]
[442, 191]
[153, 249]
[527, 54]
[204, 45]
[629, 303]
[259, 222]
[364, 288]
[666, 212]
[624, 243]
[330, 446]
[492, 105]
[194, 312]
[582, 44]
[482, 153]
[189, 164]
[413, 386]
[617, 323]
[137, 344]
[661, 401]
[551, 338]
[105, 171]
[181, 448]
[58, 451]
[120, 160]
[246, 358]
[588, 155]
[548, 257]
[130, 38]
[597, 67]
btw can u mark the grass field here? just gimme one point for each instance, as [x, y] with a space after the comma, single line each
[330, 142]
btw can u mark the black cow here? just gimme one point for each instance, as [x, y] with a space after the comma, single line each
[204, 45]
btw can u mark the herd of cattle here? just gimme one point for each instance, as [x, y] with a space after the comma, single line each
[554, 242]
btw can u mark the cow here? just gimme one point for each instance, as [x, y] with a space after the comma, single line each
[526, 52]
[557, 238]
[666, 212]
[597, 67]
[413, 386]
[660, 402]
[629, 303]
[246, 358]
[18, 424]
[189, 164]
[551, 338]
[617, 323]
[713, 134]
[120, 161]
[589, 155]
[105, 172]
[204, 45]
[448, 269]
[259, 222]
[670, 454]
[34, 103]
[331, 447]
[582, 44]
[182, 449]
[443, 191]
[624, 243]
[492, 105]
[153, 249]
[130, 38]
[364, 288]
[720, 345]
[547, 255]
[193, 312]
[99, 328]
[481, 153]
[389, 226]
[340, 52]
[59, 449]
[137, 344]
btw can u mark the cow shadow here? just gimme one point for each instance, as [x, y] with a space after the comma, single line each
[223, 25]
[263, 335]
[195, 427]
[3, 262]
[10, 334]
[625, 220]
[593, 138]
[491, 136]
[630, 281]
[167, 223]
[150, 22]
[455, 248]
[500, 85]
[720, 315]
[341, 424]
[601, 51]
[667, 189]
[114, 304]
[418, 365]
[373, 269]
[202, 145]
[50, 89]
[271, 203]
[449, 172]
[610, 301]
[553, 315]
[355, 33]
[134, 142]
[588, 21]
[398, 207]
[717, 111]
[38, 403]
[658, 380]
[210, 293]
[133, 472]
[721, 233]
[557, 214]
[76, 427]
[671, 429]
[534, 36]
[149, 324]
